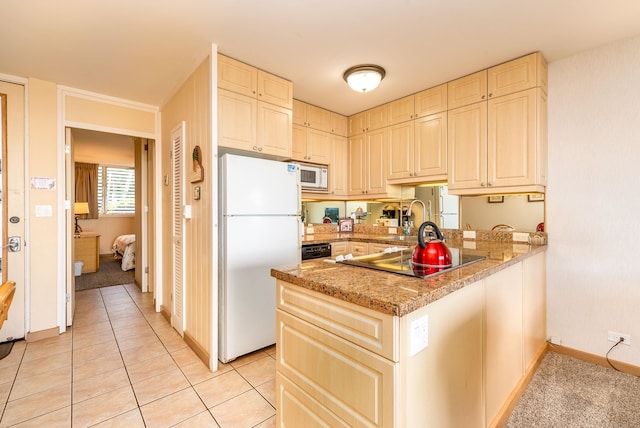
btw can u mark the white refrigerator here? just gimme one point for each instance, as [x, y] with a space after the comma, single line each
[259, 229]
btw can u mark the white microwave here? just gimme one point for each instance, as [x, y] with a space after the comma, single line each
[313, 177]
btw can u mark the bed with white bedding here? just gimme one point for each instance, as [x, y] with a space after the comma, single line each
[124, 247]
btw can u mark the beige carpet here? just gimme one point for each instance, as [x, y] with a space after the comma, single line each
[110, 273]
[566, 392]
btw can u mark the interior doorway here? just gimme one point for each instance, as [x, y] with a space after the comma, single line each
[118, 221]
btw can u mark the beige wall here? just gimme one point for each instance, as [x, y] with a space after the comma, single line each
[192, 104]
[593, 274]
[43, 231]
[46, 241]
[109, 227]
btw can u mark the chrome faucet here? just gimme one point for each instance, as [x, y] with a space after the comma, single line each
[424, 209]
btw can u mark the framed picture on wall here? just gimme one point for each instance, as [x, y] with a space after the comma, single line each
[496, 199]
[535, 197]
[345, 224]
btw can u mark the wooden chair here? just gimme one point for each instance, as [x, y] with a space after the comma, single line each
[7, 290]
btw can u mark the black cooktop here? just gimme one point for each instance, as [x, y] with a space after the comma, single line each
[400, 262]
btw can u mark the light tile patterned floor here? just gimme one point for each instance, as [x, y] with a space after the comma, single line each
[122, 365]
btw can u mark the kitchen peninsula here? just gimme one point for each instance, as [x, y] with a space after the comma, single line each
[362, 347]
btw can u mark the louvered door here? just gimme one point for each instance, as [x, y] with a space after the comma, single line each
[177, 314]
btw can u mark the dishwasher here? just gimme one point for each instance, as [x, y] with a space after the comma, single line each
[315, 251]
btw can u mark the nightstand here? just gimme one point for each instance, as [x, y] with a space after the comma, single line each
[86, 248]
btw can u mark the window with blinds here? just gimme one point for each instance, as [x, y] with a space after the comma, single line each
[116, 190]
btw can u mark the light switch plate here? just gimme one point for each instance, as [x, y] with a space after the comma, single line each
[419, 335]
[44, 211]
[468, 234]
[520, 237]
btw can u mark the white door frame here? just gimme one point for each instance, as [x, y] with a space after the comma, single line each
[15, 198]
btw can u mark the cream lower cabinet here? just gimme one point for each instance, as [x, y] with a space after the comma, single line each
[342, 365]
[504, 337]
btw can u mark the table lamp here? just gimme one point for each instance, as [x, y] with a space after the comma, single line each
[78, 209]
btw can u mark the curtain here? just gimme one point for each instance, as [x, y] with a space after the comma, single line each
[87, 186]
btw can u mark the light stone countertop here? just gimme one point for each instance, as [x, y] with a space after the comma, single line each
[397, 294]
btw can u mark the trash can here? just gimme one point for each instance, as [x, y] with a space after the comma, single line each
[78, 268]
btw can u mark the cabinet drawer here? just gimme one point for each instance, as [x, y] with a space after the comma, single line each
[365, 327]
[354, 384]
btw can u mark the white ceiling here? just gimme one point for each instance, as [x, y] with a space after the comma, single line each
[143, 50]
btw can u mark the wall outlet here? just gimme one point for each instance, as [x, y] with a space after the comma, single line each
[520, 237]
[393, 230]
[419, 335]
[468, 234]
[613, 336]
[555, 340]
[310, 230]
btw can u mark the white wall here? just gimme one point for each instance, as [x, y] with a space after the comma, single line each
[593, 200]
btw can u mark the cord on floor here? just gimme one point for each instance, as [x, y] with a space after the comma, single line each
[610, 349]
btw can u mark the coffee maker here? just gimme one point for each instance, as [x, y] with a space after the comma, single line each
[390, 213]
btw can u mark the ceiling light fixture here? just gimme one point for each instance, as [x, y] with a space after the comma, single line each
[364, 78]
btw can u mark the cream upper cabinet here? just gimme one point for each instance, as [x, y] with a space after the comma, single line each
[236, 76]
[430, 147]
[431, 101]
[273, 130]
[517, 139]
[467, 90]
[310, 145]
[369, 120]
[339, 124]
[247, 124]
[357, 156]
[367, 156]
[338, 167]
[418, 150]
[311, 116]
[254, 109]
[357, 124]
[467, 147]
[401, 110]
[498, 146]
[241, 78]
[517, 75]
[237, 118]
[318, 118]
[275, 90]
[401, 144]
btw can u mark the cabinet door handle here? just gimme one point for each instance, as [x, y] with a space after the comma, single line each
[483, 184]
[255, 148]
[482, 97]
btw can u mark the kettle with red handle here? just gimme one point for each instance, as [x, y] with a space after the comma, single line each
[431, 256]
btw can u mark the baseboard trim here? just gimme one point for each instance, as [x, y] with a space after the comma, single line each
[165, 313]
[197, 348]
[595, 359]
[33, 336]
[501, 418]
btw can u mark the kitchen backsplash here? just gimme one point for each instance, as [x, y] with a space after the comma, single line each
[535, 238]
